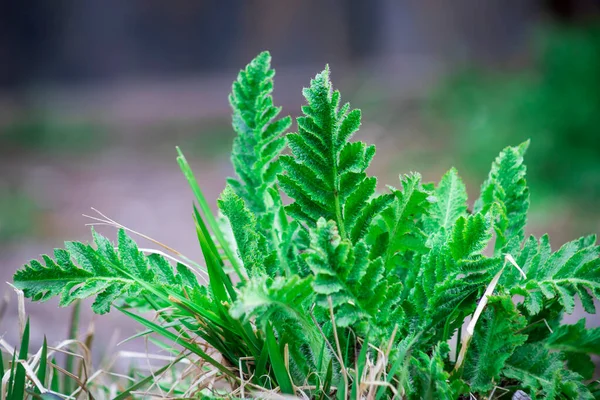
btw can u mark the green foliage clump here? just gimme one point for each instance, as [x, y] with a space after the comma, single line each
[346, 292]
[555, 102]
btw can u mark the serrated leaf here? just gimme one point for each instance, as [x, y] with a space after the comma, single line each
[430, 380]
[572, 270]
[506, 195]
[451, 201]
[495, 338]
[251, 244]
[542, 373]
[107, 274]
[355, 285]
[326, 173]
[575, 339]
[258, 142]
[262, 293]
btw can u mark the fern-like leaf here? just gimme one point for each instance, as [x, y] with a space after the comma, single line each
[430, 380]
[326, 174]
[575, 339]
[259, 138]
[355, 284]
[572, 270]
[495, 338]
[396, 229]
[543, 374]
[282, 302]
[506, 195]
[103, 272]
[576, 343]
[251, 244]
[263, 295]
[453, 271]
[451, 202]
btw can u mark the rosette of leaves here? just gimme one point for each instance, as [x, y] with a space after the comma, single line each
[347, 292]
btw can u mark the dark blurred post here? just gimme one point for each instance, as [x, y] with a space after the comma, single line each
[363, 24]
[28, 33]
[573, 11]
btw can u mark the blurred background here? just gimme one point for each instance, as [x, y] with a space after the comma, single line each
[94, 97]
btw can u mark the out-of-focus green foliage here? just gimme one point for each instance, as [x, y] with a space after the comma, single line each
[17, 214]
[555, 102]
[38, 132]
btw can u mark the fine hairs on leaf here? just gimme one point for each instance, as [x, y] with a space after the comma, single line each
[322, 287]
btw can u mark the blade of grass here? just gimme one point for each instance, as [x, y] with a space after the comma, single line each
[327, 381]
[11, 378]
[18, 391]
[217, 284]
[211, 242]
[402, 359]
[55, 382]
[70, 360]
[127, 393]
[41, 373]
[361, 362]
[221, 283]
[212, 222]
[215, 270]
[279, 369]
[261, 366]
[166, 317]
[171, 336]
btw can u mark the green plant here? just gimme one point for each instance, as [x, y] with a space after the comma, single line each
[344, 292]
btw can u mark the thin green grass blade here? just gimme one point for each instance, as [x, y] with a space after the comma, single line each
[68, 386]
[261, 366]
[1, 365]
[209, 239]
[279, 369]
[41, 373]
[11, 378]
[127, 393]
[212, 222]
[194, 310]
[216, 283]
[327, 381]
[181, 302]
[360, 366]
[146, 332]
[175, 338]
[168, 318]
[221, 284]
[402, 361]
[18, 391]
[55, 382]
[214, 267]
[162, 345]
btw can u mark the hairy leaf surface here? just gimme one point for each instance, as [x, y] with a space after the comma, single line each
[104, 272]
[259, 139]
[325, 175]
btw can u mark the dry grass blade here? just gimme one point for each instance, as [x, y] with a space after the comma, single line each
[339, 348]
[106, 221]
[480, 306]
